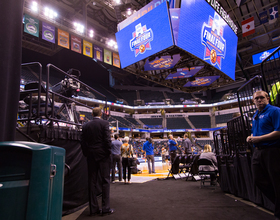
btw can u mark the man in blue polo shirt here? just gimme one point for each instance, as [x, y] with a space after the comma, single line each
[149, 148]
[172, 144]
[266, 139]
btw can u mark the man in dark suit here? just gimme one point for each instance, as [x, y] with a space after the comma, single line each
[96, 146]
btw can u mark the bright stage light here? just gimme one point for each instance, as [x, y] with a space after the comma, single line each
[34, 6]
[80, 28]
[91, 33]
[50, 13]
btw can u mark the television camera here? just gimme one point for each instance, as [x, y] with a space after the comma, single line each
[68, 86]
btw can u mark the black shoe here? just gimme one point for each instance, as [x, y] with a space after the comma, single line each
[111, 211]
[96, 213]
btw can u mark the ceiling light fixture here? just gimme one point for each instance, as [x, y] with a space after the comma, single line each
[34, 6]
[50, 13]
[129, 12]
[91, 33]
[79, 27]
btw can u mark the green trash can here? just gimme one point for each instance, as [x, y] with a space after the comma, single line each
[31, 181]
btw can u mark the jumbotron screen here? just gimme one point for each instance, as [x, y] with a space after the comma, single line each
[203, 33]
[146, 36]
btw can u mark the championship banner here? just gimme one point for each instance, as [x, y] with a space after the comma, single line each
[63, 38]
[184, 73]
[98, 53]
[202, 81]
[107, 56]
[146, 36]
[116, 60]
[160, 63]
[87, 48]
[208, 36]
[31, 25]
[48, 32]
[76, 44]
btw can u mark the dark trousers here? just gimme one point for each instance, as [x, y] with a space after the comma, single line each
[173, 154]
[94, 168]
[126, 166]
[266, 174]
[116, 160]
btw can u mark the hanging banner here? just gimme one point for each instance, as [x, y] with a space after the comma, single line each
[63, 38]
[107, 56]
[116, 60]
[31, 25]
[48, 32]
[184, 73]
[160, 63]
[98, 53]
[87, 48]
[76, 44]
[202, 81]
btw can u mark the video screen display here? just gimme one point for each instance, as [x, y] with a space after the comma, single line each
[259, 57]
[184, 73]
[203, 33]
[202, 81]
[146, 36]
[161, 63]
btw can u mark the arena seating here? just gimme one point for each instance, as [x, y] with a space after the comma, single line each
[152, 121]
[129, 96]
[132, 120]
[223, 118]
[200, 121]
[177, 123]
[149, 96]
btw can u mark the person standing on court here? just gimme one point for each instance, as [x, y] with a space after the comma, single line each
[116, 158]
[127, 154]
[149, 149]
[266, 140]
[172, 144]
[96, 146]
[187, 145]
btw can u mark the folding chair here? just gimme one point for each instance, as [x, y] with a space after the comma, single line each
[204, 174]
[174, 167]
[182, 165]
[193, 167]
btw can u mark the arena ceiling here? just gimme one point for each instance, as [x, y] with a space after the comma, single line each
[104, 15]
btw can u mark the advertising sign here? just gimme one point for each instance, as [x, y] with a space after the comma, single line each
[160, 63]
[184, 73]
[202, 81]
[31, 25]
[76, 44]
[146, 36]
[259, 57]
[48, 32]
[87, 48]
[98, 53]
[63, 38]
[207, 36]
